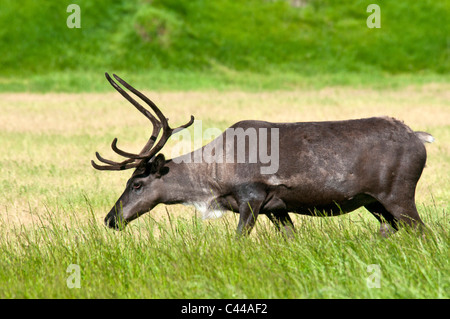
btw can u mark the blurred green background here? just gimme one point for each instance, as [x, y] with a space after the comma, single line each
[221, 44]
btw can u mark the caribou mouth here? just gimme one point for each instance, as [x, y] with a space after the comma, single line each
[115, 223]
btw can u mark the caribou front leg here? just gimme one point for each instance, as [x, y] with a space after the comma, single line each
[248, 213]
[282, 222]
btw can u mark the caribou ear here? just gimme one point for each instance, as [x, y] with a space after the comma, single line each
[158, 165]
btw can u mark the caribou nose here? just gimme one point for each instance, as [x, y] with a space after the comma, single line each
[115, 221]
[110, 221]
[114, 218]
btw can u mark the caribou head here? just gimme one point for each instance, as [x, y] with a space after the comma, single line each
[143, 190]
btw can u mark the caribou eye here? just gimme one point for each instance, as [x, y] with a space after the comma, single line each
[136, 185]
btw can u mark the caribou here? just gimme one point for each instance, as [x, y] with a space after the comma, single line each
[323, 169]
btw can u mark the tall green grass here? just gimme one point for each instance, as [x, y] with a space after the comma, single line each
[188, 258]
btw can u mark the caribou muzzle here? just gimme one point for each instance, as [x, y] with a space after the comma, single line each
[115, 219]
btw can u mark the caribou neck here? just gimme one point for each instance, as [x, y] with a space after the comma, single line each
[186, 183]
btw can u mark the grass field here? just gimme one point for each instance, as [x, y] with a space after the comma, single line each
[53, 204]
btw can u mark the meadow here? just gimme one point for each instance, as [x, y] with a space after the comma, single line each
[53, 204]
[222, 61]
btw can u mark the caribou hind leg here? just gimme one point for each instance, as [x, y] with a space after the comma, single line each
[405, 213]
[393, 215]
[388, 224]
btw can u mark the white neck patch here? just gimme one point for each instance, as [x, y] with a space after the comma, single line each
[207, 210]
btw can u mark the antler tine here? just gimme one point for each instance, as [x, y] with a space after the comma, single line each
[112, 167]
[182, 127]
[109, 162]
[123, 153]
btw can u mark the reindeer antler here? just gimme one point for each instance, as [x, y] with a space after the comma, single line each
[134, 160]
